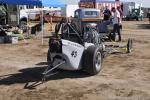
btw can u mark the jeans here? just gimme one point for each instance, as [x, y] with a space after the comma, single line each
[116, 29]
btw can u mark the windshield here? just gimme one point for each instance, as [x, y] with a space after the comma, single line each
[91, 14]
[76, 14]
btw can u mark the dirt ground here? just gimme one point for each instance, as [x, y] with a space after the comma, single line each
[123, 77]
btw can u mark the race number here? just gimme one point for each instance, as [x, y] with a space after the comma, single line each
[74, 54]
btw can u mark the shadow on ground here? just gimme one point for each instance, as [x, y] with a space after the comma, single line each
[144, 26]
[28, 75]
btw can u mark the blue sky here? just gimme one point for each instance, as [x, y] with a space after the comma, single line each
[146, 3]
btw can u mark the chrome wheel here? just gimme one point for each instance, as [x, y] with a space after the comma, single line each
[98, 59]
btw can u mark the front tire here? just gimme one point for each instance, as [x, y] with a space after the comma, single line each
[92, 60]
[129, 45]
[23, 26]
[112, 37]
[48, 57]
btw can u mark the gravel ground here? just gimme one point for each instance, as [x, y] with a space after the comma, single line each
[123, 77]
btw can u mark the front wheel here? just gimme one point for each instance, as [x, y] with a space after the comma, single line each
[112, 37]
[129, 45]
[23, 26]
[92, 60]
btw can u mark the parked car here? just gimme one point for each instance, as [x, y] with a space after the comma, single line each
[136, 14]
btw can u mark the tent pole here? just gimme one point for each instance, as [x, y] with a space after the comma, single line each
[18, 14]
[28, 24]
[42, 27]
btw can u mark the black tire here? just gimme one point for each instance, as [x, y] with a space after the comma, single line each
[127, 18]
[129, 46]
[112, 37]
[23, 26]
[92, 60]
[137, 19]
[48, 57]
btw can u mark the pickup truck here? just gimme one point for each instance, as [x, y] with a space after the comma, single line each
[85, 16]
[136, 14]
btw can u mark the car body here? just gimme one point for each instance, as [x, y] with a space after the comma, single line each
[79, 53]
[86, 16]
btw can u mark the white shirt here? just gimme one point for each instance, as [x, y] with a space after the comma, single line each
[115, 17]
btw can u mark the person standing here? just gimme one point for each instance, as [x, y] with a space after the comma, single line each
[148, 16]
[107, 13]
[121, 16]
[116, 23]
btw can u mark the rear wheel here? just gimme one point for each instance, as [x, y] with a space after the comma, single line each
[112, 37]
[92, 60]
[137, 19]
[129, 46]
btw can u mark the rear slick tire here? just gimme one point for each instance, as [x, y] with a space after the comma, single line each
[92, 60]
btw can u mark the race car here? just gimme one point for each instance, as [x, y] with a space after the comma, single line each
[71, 51]
[77, 48]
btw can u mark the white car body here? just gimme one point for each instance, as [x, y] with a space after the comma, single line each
[72, 53]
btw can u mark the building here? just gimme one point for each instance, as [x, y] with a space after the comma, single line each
[71, 6]
[99, 4]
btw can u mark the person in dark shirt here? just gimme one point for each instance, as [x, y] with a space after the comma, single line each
[148, 16]
[107, 13]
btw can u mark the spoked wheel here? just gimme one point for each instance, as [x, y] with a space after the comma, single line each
[98, 60]
[129, 45]
[92, 60]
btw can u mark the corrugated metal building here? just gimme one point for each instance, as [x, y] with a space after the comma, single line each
[99, 4]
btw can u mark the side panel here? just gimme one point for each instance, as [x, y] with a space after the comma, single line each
[73, 51]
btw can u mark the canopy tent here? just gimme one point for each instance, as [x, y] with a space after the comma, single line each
[21, 2]
[53, 3]
[48, 3]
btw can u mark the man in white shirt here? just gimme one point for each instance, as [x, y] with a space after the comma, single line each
[121, 16]
[116, 19]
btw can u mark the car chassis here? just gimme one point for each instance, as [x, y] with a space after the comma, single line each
[71, 50]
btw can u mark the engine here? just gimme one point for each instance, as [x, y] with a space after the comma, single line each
[55, 45]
